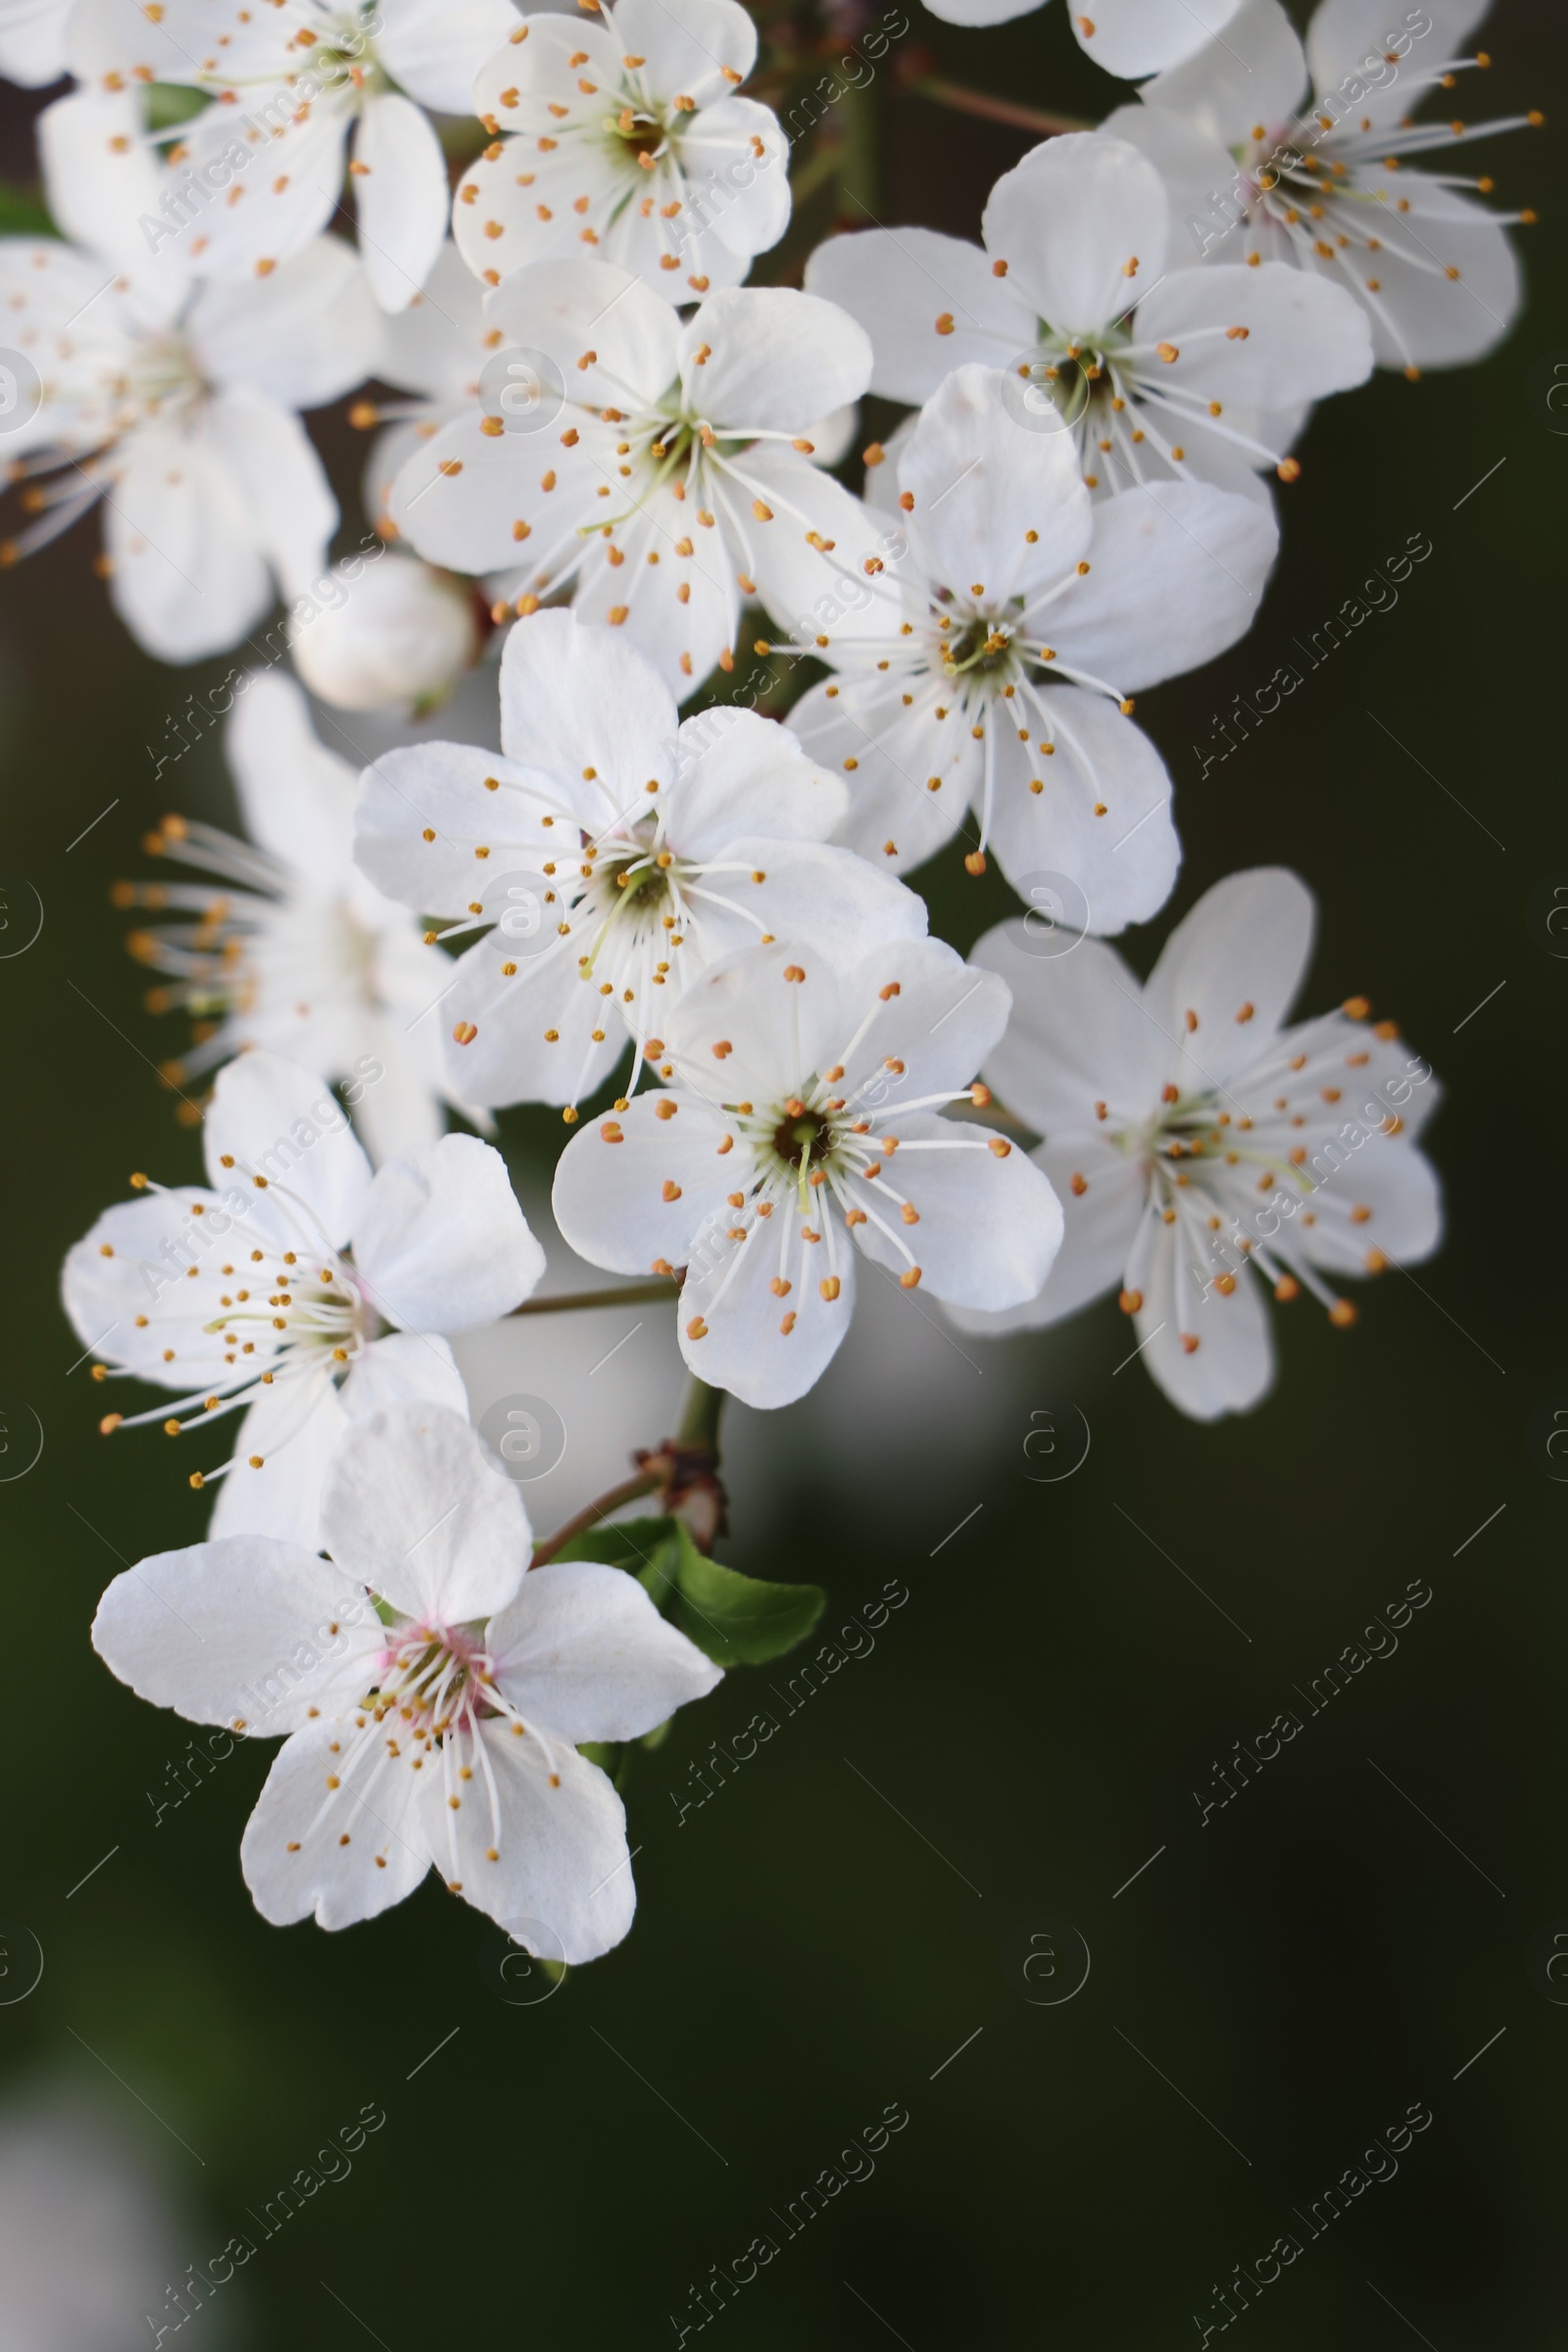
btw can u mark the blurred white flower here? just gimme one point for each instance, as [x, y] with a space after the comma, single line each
[299, 1291]
[293, 85]
[398, 640]
[989, 663]
[1202, 1149]
[794, 1086]
[182, 421]
[1157, 373]
[288, 947]
[659, 472]
[445, 1737]
[87, 2243]
[1276, 154]
[636, 147]
[611, 856]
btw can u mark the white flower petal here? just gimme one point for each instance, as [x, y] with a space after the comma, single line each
[1235, 961]
[625, 1203]
[402, 195]
[562, 1864]
[1196, 169]
[292, 1430]
[403, 1367]
[936, 1014]
[737, 773]
[1344, 35]
[441, 1243]
[414, 1510]
[687, 43]
[1077, 1036]
[766, 1347]
[1082, 223]
[345, 1854]
[245, 1631]
[1386, 1201]
[570, 309]
[1135, 37]
[1177, 575]
[1232, 1365]
[124, 1287]
[574, 697]
[1305, 335]
[900, 283]
[521, 1029]
[775, 359]
[1255, 76]
[896, 817]
[188, 575]
[1099, 1223]
[436, 346]
[434, 48]
[1123, 862]
[821, 897]
[422, 809]
[995, 505]
[281, 482]
[583, 1649]
[304, 333]
[296, 796]
[989, 1225]
[272, 1119]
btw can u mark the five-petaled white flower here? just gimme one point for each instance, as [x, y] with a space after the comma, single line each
[1201, 1147]
[667, 476]
[1128, 37]
[626, 140]
[611, 857]
[1275, 154]
[260, 171]
[1158, 372]
[989, 665]
[432, 1687]
[288, 947]
[266, 1293]
[802, 1113]
[181, 419]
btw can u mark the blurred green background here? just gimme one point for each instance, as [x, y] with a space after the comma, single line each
[1277, 1986]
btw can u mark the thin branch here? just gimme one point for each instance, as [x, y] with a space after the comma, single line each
[992, 110]
[645, 1482]
[616, 1293]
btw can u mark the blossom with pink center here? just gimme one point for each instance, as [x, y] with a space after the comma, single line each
[432, 1692]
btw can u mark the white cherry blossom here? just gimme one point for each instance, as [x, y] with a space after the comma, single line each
[432, 1692]
[399, 641]
[182, 421]
[611, 856]
[989, 665]
[1128, 37]
[1158, 372]
[1273, 155]
[288, 947]
[294, 86]
[295, 1288]
[624, 138]
[1205, 1147]
[669, 476]
[801, 1116]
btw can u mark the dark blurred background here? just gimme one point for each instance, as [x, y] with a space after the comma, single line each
[1277, 1988]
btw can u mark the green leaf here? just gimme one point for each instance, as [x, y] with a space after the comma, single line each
[735, 1619]
[24, 213]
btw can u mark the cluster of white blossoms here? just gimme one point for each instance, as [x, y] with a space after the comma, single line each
[610, 479]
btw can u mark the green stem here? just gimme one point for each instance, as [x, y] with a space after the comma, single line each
[615, 1294]
[700, 1412]
[855, 144]
[993, 110]
[628, 1491]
